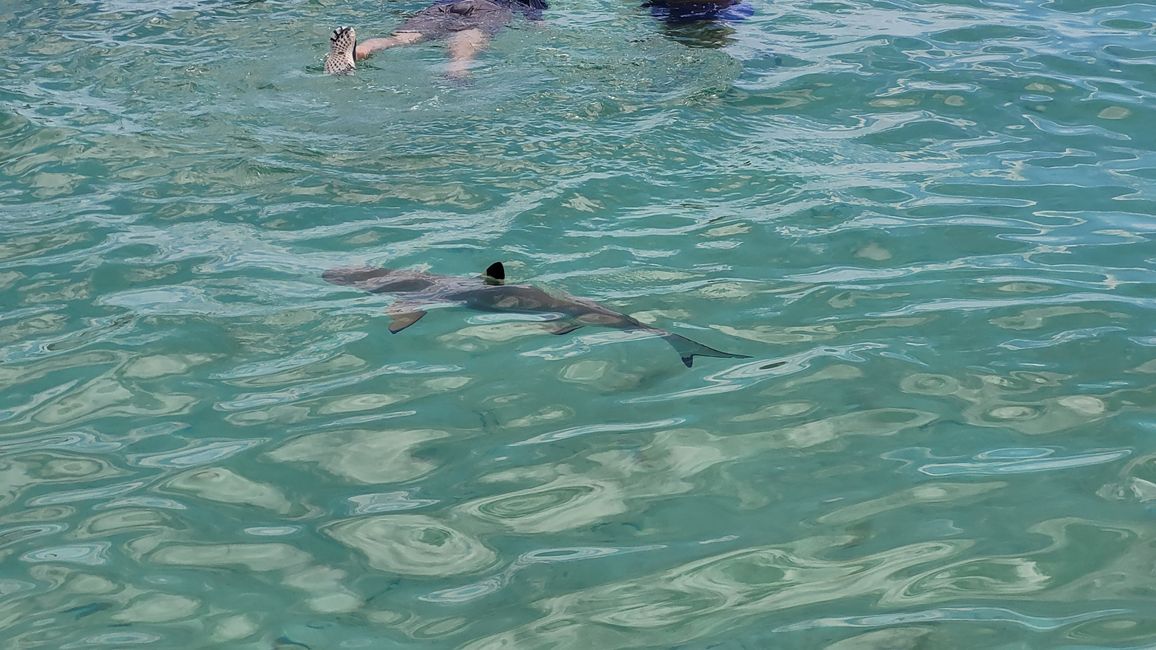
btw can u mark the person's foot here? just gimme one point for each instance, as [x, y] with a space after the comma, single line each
[342, 46]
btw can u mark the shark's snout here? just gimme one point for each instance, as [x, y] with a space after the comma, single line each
[352, 276]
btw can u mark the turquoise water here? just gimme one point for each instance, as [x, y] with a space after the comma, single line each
[929, 224]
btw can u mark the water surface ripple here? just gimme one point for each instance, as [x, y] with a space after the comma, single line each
[929, 225]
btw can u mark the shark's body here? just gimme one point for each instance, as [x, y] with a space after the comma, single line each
[490, 293]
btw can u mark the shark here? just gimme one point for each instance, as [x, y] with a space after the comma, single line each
[418, 290]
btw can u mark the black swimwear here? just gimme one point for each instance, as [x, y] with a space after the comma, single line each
[489, 16]
[680, 11]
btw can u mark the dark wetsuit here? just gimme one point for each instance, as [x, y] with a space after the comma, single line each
[449, 16]
[679, 11]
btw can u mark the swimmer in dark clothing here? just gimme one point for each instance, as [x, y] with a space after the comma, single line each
[681, 11]
[467, 26]
[699, 23]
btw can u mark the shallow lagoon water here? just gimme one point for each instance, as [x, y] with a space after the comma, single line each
[929, 224]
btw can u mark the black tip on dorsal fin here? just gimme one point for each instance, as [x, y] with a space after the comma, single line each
[496, 272]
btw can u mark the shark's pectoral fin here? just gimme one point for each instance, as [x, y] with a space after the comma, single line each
[564, 327]
[399, 320]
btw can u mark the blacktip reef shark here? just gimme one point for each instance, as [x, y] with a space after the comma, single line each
[489, 292]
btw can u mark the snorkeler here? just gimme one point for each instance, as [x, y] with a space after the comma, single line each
[679, 11]
[467, 26]
[699, 23]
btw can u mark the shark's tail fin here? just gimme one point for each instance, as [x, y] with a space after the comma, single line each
[688, 349]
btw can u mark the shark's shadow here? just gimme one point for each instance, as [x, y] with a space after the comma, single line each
[489, 292]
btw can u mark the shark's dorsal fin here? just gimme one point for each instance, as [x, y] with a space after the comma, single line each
[495, 273]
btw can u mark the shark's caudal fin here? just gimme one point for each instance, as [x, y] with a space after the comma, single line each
[688, 349]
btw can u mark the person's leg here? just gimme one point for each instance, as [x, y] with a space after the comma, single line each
[467, 26]
[371, 45]
[344, 50]
[464, 46]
